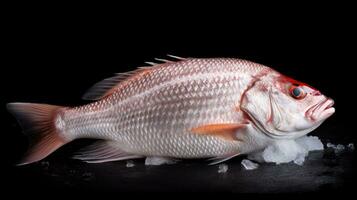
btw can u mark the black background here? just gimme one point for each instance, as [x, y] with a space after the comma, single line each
[54, 55]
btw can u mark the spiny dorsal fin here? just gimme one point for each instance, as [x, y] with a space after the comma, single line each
[151, 63]
[109, 85]
[163, 60]
[176, 57]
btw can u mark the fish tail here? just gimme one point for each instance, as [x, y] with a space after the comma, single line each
[38, 123]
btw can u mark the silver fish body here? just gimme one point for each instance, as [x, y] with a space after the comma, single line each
[153, 115]
[155, 111]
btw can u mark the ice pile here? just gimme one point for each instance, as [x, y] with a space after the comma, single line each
[284, 151]
[222, 168]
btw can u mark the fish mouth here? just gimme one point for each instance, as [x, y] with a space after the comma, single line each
[321, 111]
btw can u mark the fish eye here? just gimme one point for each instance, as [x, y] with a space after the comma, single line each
[297, 92]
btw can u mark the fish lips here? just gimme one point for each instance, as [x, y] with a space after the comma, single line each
[321, 110]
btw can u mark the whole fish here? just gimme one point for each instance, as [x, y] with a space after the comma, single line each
[188, 108]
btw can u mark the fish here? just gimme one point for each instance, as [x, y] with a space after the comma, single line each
[183, 108]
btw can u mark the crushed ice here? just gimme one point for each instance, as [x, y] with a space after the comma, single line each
[284, 151]
[339, 148]
[130, 164]
[351, 146]
[158, 161]
[222, 168]
[281, 151]
[310, 143]
[249, 165]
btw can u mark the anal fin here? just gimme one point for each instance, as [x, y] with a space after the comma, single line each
[220, 159]
[103, 151]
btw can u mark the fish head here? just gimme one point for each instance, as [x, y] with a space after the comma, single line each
[284, 108]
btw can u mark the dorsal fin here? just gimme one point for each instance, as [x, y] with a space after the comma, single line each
[109, 85]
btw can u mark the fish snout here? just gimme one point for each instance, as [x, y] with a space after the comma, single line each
[321, 110]
[327, 109]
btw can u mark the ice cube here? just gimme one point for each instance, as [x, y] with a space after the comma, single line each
[158, 161]
[339, 148]
[330, 145]
[222, 168]
[249, 165]
[87, 176]
[351, 146]
[130, 163]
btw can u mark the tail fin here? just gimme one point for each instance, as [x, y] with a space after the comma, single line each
[37, 121]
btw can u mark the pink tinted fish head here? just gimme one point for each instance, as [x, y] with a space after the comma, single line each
[284, 108]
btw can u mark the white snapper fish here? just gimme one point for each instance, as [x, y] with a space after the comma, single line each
[189, 108]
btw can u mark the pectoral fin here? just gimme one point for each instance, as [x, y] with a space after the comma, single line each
[227, 131]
